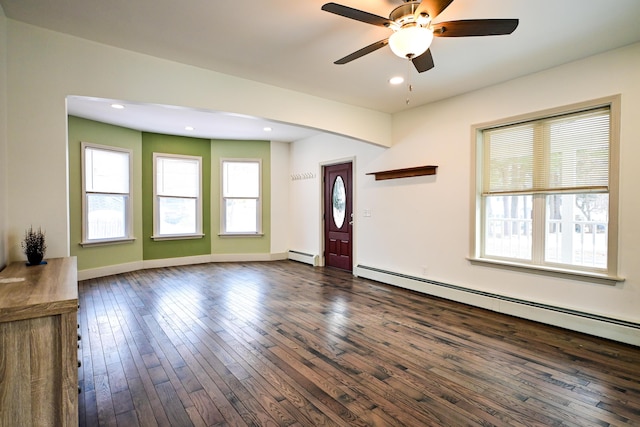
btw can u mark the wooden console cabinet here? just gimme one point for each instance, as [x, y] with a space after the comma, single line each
[38, 344]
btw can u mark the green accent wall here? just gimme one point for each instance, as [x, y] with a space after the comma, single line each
[222, 149]
[169, 144]
[83, 130]
[143, 145]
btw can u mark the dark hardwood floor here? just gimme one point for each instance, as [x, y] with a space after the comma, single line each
[286, 344]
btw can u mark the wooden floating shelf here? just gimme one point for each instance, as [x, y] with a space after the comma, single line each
[405, 172]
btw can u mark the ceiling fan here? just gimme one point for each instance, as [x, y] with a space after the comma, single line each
[413, 29]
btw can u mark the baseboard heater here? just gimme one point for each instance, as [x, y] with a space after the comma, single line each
[304, 257]
[602, 326]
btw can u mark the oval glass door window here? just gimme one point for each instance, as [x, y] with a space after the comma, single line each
[339, 201]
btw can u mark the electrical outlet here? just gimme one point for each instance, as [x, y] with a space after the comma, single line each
[425, 270]
[367, 213]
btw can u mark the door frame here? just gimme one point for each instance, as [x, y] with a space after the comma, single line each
[352, 160]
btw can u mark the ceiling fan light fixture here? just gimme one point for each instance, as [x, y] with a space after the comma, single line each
[411, 42]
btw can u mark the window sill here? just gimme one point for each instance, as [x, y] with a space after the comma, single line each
[178, 237]
[588, 276]
[241, 234]
[107, 242]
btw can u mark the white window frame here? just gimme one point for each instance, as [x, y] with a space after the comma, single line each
[608, 275]
[128, 235]
[198, 234]
[223, 199]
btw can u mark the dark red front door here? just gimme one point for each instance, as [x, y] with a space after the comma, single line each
[338, 216]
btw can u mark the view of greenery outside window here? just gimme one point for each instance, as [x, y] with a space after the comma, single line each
[106, 194]
[177, 196]
[241, 202]
[544, 191]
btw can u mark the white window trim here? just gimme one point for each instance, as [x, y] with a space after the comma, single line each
[223, 205]
[610, 274]
[129, 205]
[199, 232]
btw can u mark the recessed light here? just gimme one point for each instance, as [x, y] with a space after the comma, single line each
[267, 129]
[117, 106]
[189, 128]
[396, 80]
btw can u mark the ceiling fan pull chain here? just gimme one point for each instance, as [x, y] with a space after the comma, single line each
[409, 86]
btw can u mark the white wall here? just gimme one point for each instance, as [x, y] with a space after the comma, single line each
[420, 226]
[443, 131]
[307, 157]
[279, 197]
[45, 67]
[3, 139]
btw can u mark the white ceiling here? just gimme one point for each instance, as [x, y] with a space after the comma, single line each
[292, 44]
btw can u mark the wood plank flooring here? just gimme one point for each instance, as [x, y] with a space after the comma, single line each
[286, 344]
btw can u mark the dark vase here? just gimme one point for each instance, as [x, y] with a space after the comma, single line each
[35, 258]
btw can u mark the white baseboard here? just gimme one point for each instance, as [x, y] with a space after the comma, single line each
[604, 327]
[247, 257]
[109, 270]
[304, 257]
[173, 262]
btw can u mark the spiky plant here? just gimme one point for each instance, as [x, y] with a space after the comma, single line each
[34, 245]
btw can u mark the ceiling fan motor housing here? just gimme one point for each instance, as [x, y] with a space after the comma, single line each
[405, 16]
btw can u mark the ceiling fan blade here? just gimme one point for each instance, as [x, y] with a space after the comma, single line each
[358, 15]
[433, 7]
[423, 62]
[475, 27]
[362, 52]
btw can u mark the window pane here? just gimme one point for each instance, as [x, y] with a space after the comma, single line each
[241, 179]
[569, 152]
[510, 158]
[507, 230]
[339, 202]
[106, 171]
[176, 215]
[106, 216]
[577, 228]
[579, 151]
[177, 177]
[241, 216]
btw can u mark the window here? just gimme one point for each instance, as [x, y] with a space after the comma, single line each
[106, 194]
[177, 198]
[241, 197]
[547, 190]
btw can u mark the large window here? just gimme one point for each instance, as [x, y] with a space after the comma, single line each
[547, 190]
[106, 194]
[177, 201]
[241, 197]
